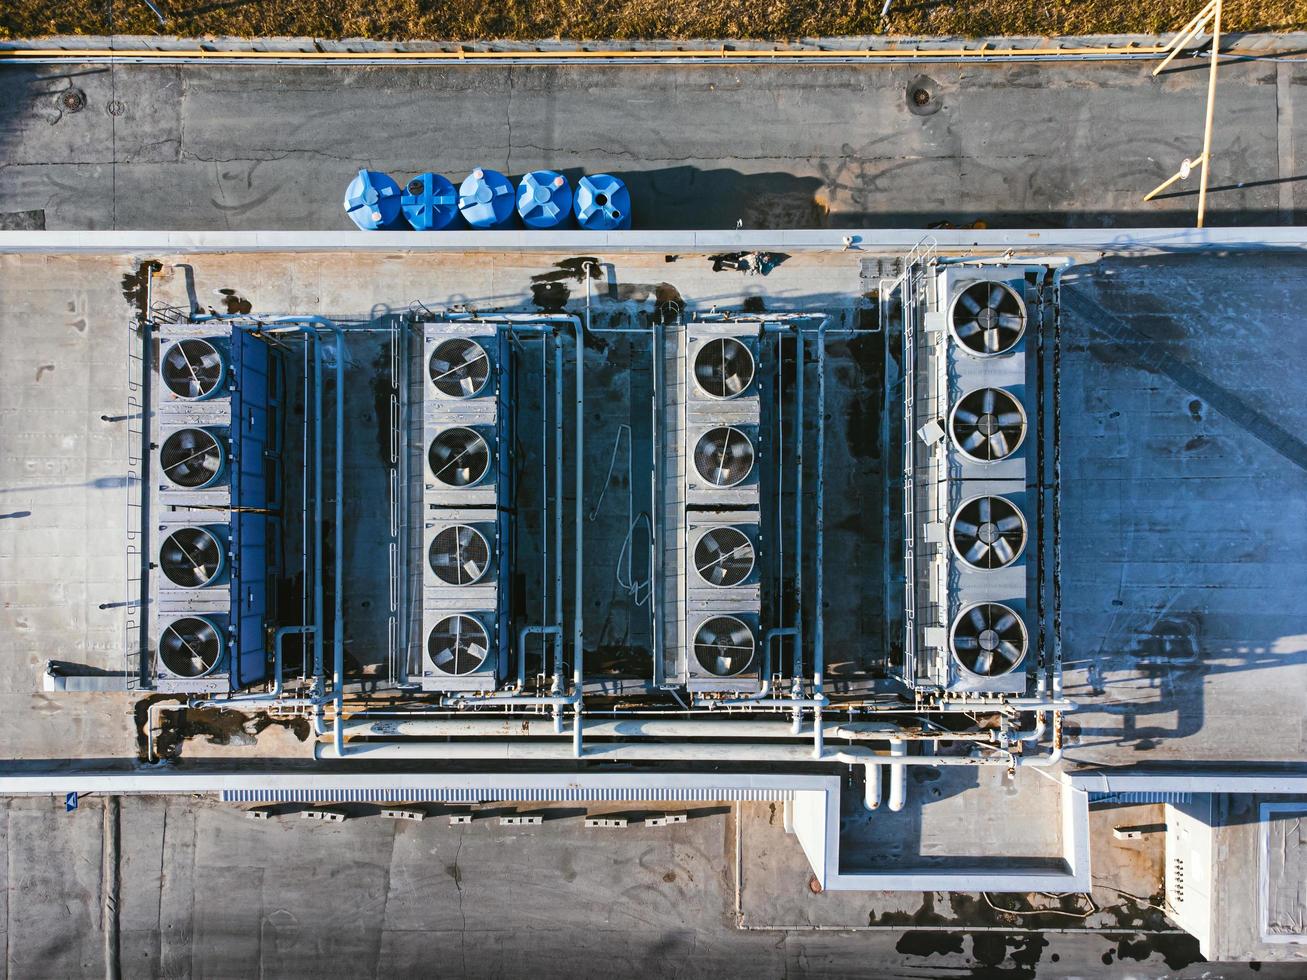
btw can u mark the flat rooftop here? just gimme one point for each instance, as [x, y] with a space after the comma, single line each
[1183, 500]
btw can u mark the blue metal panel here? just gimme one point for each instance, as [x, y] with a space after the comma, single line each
[429, 202]
[372, 201]
[544, 199]
[486, 198]
[602, 203]
[249, 495]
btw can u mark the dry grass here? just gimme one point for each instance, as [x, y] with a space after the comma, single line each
[634, 19]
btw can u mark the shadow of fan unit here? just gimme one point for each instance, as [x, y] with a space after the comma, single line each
[211, 438]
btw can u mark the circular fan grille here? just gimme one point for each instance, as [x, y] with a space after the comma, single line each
[190, 647]
[988, 424]
[989, 639]
[459, 555]
[724, 556]
[192, 368]
[988, 318]
[988, 532]
[724, 646]
[458, 457]
[723, 368]
[459, 367]
[191, 557]
[458, 645]
[192, 458]
[723, 456]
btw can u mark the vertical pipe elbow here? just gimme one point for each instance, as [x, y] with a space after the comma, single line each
[898, 777]
[871, 786]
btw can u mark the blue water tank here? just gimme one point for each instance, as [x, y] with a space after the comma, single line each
[486, 198]
[544, 199]
[430, 202]
[372, 200]
[602, 203]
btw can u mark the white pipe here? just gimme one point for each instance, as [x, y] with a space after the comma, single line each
[871, 786]
[630, 727]
[561, 751]
[898, 783]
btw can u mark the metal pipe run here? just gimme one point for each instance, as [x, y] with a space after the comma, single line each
[898, 785]
[666, 57]
[871, 786]
[710, 752]
[463, 726]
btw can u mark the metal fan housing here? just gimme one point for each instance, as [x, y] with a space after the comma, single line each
[988, 639]
[458, 645]
[988, 424]
[724, 557]
[193, 458]
[724, 456]
[194, 556]
[987, 318]
[988, 532]
[724, 646]
[458, 368]
[459, 457]
[459, 555]
[191, 647]
[724, 368]
[193, 369]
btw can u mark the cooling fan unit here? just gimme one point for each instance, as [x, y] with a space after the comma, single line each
[988, 639]
[458, 645]
[724, 646]
[724, 556]
[988, 532]
[192, 458]
[190, 647]
[723, 367]
[988, 318]
[192, 369]
[459, 555]
[988, 424]
[192, 557]
[723, 456]
[459, 368]
[459, 457]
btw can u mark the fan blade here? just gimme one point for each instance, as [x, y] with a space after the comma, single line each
[987, 400]
[973, 441]
[976, 552]
[969, 302]
[1010, 651]
[998, 445]
[1003, 551]
[978, 618]
[966, 527]
[984, 662]
[964, 642]
[1009, 321]
[967, 328]
[1005, 622]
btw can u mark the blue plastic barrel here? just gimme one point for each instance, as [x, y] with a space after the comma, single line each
[486, 198]
[544, 199]
[372, 200]
[602, 203]
[429, 202]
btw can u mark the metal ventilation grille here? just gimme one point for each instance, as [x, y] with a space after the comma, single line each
[724, 646]
[190, 647]
[724, 456]
[988, 424]
[192, 369]
[724, 367]
[988, 318]
[191, 557]
[459, 368]
[459, 555]
[458, 645]
[988, 639]
[724, 556]
[988, 532]
[192, 458]
[459, 457]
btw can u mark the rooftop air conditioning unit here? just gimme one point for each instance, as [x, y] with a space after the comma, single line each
[725, 650]
[461, 650]
[210, 432]
[723, 414]
[988, 643]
